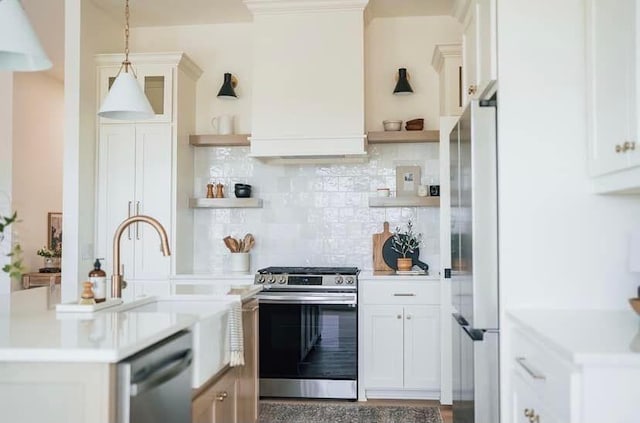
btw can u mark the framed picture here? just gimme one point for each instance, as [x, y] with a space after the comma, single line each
[54, 231]
[407, 181]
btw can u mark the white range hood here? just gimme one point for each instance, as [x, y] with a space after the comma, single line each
[308, 81]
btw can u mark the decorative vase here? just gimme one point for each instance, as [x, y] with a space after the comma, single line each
[405, 264]
[48, 262]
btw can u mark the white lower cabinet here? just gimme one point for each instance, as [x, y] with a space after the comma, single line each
[401, 341]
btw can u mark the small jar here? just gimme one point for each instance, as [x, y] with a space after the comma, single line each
[423, 191]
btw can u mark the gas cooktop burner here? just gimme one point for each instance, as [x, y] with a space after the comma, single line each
[309, 270]
[309, 278]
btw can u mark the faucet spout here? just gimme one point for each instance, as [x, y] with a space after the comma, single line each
[117, 276]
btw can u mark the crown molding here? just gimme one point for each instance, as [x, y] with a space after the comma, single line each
[460, 9]
[443, 51]
[276, 7]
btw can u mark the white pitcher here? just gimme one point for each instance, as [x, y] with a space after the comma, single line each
[223, 124]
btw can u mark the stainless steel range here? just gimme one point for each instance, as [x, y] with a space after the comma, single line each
[308, 332]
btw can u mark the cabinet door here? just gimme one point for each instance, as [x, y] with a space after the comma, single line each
[116, 176]
[487, 66]
[611, 90]
[422, 347]
[248, 374]
[155, 80]
[383, 350]
[469, 55]
[526, 406]
[153, 188]
[218, 403]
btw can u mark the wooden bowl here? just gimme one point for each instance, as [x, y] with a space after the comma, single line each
[635, 304]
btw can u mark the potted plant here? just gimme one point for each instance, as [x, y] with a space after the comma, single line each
[51, 256]
[405, 243]
[14, 268]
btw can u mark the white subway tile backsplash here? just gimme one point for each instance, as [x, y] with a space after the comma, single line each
[312, 215]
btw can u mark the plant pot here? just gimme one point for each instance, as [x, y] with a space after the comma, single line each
[405, 264]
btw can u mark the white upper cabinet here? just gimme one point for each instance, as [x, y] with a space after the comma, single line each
[479, 46]
[612, 82]
[447, 61]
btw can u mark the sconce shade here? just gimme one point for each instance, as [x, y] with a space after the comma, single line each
[402, 86]
[126, 100]
[20, 49]
[227, 91]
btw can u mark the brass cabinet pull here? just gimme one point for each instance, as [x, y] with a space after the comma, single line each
[409, 317]
[628, 145]
[409, 294]
[472, 89]
[528, 412]
[399, 316]
[618, 148]
[531, 414]
[221, 396]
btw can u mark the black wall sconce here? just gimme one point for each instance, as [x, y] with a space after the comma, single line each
[402, 86]
[227, 90]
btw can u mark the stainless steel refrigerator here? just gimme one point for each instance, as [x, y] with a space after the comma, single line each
[474, 264]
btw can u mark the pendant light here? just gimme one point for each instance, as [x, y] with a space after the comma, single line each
[20, 49]
[402, 86]
[126, 100]
[227, 90]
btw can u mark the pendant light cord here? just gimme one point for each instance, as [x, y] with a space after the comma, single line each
[126, 62]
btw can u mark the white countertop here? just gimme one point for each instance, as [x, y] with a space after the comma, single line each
[31, 330]
[586, 337]
[105, 336]
[367, 275]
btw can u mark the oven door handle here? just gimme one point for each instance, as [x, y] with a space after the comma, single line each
[307, 299]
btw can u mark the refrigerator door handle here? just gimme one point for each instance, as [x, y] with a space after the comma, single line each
[474, 334]
[461, 320]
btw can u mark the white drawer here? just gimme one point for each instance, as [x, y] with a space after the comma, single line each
[545, 372]
[400, 292]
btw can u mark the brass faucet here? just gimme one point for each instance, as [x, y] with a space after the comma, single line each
[117, 277]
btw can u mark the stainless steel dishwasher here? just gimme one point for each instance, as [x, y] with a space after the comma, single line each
[154, 385]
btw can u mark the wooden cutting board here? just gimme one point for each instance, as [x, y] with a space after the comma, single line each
[378, 242]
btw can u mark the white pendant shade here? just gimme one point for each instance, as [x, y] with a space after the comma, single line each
[126, 100]
[20, 49]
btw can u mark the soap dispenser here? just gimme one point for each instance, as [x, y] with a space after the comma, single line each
[98, 279]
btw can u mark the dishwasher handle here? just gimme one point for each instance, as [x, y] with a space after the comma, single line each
[165, 372]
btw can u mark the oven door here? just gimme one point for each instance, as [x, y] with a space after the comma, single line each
[308, 344]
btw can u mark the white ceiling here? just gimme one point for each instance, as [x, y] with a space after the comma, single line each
[194, 12]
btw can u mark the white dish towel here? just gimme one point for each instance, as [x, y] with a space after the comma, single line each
[236, 342]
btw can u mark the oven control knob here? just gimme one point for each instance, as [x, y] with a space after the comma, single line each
[350, 280]
[339, 280]
[271, 279]
[261, 279]
[282, 280]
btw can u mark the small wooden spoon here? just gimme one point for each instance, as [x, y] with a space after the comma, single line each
[230, 243]
[249, 241]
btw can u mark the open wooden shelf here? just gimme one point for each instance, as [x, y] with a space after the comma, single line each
[404, 201]
[391, 137]
[224, 203]
[212, 140]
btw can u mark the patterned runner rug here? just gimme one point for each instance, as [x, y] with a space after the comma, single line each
[273, 411]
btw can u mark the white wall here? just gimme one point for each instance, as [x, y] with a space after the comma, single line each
[312, 215]
[560, 245]
[392, 43]
[88, 31]
[216, 49]
[38, 126]
[6, 140]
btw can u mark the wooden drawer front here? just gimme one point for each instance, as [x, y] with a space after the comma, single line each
[546, 373]
[400, 292]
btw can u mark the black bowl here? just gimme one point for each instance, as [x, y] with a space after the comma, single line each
[242, 186]
[243, 191]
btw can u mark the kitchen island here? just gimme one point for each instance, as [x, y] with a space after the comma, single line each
[62, 367]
